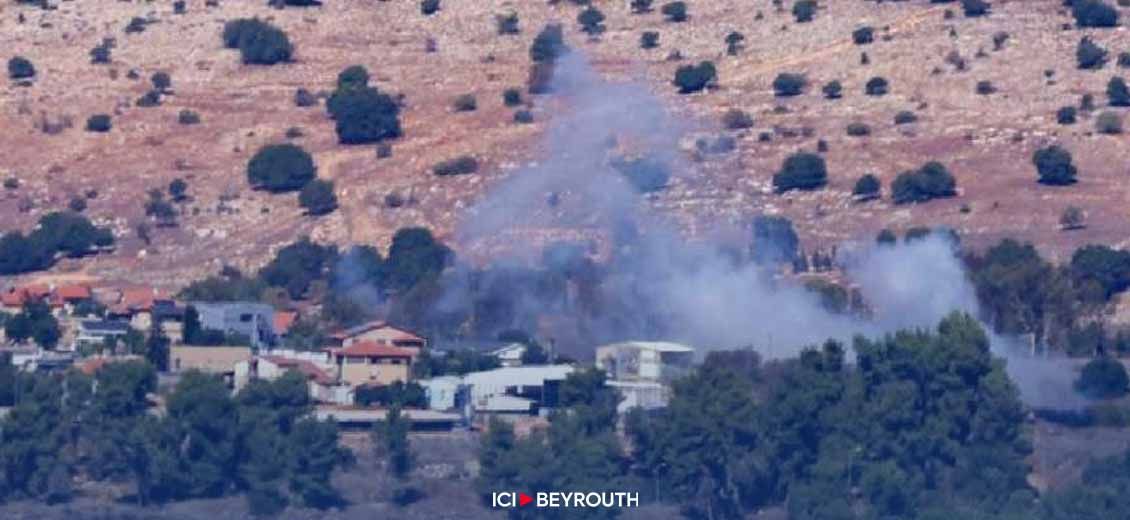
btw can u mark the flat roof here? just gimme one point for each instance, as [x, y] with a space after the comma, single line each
[658, 346]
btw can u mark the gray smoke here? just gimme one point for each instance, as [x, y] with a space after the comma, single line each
[697, 290]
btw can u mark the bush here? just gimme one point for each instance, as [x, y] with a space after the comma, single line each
[591, 21]
[20, 67]
[463, 165]
[801, 171]
[787, 84]
[512, 97]
[867, 187]
[280, 167]
[833, 90]
[507, 23]
[1089, 55]
[259, 42]
[858, 129]
[1117, 92]
[304, 98]
[100, 54]
[736, 119]
[1072, 218]
[548, 45]
[985, 87]
[693, 78]
[1124, 59]
[876, 86]
[465, 103]
[178, 189]
[162, 81]
[734, 43]
[1065, 115]
[675, 11]
[98, 123]
[364, 115]
[149, 99]
[1053, 164]
[1109, 123]
[974, 8]
[804, 10]
[1103, 378]
[523, 117]
[1094, 13]
[429, 7]
[931, 181]
[649, 40]
[863, 35]
[645, 174]
[641, 6]
[905, 117]
[318, 197]
[188, 117]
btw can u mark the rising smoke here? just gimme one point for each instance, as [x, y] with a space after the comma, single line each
[657, 284]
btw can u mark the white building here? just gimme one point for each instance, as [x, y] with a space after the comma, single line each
[535, 383]
[657, 361]
[445, 392]
[509, 355]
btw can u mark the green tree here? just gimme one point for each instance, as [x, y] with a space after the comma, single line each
[1053, 164]
[801, 171]
[390, 439]
[1103, 378]
[318, 197]
[280, 167]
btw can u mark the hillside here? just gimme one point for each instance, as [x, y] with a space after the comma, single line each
[986, 141]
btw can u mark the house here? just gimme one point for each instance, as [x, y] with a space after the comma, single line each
[362, 419]
[93, 333]
[136, 304]
[13, 300]
[212, 360]
[282, 322]
[378, 332]
[645, 360]
[253, 320]
[322, 386]
[370, 362]
[69, 296]
[509, 355]
[536, 384]
[446, 392]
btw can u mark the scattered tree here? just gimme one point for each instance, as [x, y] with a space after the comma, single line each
[801, 171]
[1053, 164]
[318, 197]
[280, 167]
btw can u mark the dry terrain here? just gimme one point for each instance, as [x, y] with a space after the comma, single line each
[986, 141]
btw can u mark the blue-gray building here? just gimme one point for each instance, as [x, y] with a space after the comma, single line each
[250, 319]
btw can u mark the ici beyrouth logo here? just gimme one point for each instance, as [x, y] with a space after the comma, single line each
[555, 499]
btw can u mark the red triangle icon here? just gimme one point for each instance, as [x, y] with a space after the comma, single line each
[524, 499]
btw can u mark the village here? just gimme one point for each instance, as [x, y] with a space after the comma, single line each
[95, 324]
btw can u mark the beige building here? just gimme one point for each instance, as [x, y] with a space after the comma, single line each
[378, 332]
[212, 360]
[372, 363]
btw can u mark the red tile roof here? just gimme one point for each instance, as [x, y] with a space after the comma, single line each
[308, 369]
[14, 297]
[373, 349]
[398, 334]
[73, 292]
[142, 298]
[283, 321]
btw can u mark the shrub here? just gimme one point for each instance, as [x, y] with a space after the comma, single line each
[591, 21]
[999, 39]
[641, 6]
[858, 130]
[523, 117]
[876, 86]
[985, 87]
[259, 42]
[353, 77]
[188, 117]
[675, 11]
[1053, 164]
[974, 8]
[734, 43]
[318, 197]
[280, 167]
[20, 67]
[462, 165]
[178, 189]
[507, 23]
[1117, 92]
[1124, 59]
[149, 99]
[1094, 13]
[645, 174]
[1065, 115]
[649, 40]
[931, 181]
[1109, 123]
[867, 187]
[804, 10]
[162, 81]
[788, 84]
[905, 117]
[774, 240]
[384, 151]
[693, 78]
[98, 123]
[304, 98]
[512, 97]
[465, 103]
[736, 119]
[429, 7]
[801, 171]
[100, 54]
[548, 45]
[364, 115]
[1089, 55]
[833, 90]
[863, 35]
[1103, 378]
[136, 25]
[1072, 219]
[886, 237]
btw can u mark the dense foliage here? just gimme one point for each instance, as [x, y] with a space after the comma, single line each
[362, 114]
[801, 171]
[259, 42]
[930, 181]
[58, 234]
[280, 167]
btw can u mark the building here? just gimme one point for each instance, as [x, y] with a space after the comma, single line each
[321, 385]
[363, 419]
[494, 391]
[378, 332]
[137, 304]
[283, 321]
[657, 361]
[212, 360]
[13, 299]
[252, 320]
[509, 355]
[93, 334]
[370, 362]
[446, 392]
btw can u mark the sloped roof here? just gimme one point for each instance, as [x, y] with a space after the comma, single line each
[306, 368]
[73, 292]
[398, 334]
[373, 349]
[283, 320]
